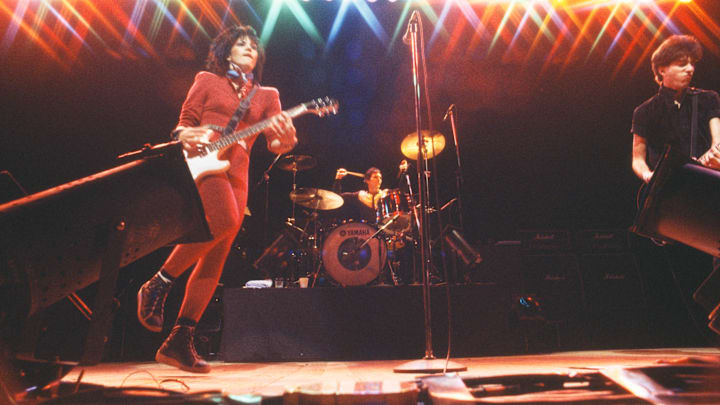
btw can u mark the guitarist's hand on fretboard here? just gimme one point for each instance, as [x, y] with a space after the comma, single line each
[711, 158]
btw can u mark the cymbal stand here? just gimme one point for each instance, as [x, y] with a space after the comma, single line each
[413, 204]
[314, 245]
[266, 179]
[294, 188]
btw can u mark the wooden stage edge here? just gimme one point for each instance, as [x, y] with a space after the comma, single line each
[273, 379]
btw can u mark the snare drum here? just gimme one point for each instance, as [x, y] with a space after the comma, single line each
[394, 204]
[346, 261]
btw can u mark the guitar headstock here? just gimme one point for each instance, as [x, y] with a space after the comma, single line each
[322, 106]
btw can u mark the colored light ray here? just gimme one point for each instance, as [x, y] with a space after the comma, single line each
[478, 36]
[543, 29]
[708, 23]
[501, 26]
[183, 14]
[120, 16]
[300, 15]
[632, 26]
[477, 23]
[651, 43]
[33, 34]
[602, 30]
[337, 24]
[247, 6]
[40, 25]
[16, 19]
[707, 42]
[441, 22]
[470, 16]
[584, 34]
[131, 29]
[162, 13]
[372, 21]
[65, 23]
[623, 28]
[400, 26]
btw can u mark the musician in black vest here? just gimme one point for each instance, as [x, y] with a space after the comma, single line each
[683, 117]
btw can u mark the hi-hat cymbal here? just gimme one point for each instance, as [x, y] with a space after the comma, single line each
[409, 145]
[296, 162]
[316, 198]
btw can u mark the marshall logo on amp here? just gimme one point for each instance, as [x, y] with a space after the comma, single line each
[543, 241]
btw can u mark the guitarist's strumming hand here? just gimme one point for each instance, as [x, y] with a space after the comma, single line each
[281, 134]
[647, 176]
[193, 138]
[711, 158]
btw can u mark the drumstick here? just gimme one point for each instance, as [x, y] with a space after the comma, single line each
[356, 174]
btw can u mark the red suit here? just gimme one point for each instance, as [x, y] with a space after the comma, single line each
[212, 99]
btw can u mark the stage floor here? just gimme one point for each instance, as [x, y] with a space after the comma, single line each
[273, 380]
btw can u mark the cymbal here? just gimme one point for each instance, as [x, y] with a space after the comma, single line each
[316, 198]
[409, 145]
[296, 162]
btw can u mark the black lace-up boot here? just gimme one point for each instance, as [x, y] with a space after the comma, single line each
[151, 300]
[178, 350]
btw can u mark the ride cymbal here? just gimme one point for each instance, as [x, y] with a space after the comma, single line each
[434, 143]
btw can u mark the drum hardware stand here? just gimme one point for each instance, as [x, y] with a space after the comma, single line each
[266, 179]
[314, 236]
[382, 228]
[374, 235]
[429, 363]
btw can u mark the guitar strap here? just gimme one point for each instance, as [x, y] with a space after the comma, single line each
[693, 125]
[239, 112]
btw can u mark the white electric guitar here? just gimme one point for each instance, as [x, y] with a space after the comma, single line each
[205, 160]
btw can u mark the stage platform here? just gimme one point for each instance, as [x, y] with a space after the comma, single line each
[608, 376]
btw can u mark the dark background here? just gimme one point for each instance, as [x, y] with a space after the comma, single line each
[544, 138]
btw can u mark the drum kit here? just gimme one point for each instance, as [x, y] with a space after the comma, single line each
[352, 253]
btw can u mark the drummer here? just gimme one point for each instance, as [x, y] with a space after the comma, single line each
[361, 205]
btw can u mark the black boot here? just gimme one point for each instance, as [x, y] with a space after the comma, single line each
[151, 301]
[178, 350]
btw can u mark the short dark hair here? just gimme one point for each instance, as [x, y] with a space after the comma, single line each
[217, 62]
[672, 49]
[369, 172]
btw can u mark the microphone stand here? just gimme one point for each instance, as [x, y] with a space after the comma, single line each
[428, 364]
[458, 173]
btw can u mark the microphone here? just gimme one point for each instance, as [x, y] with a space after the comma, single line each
[402, 168]
[414, 18]
[449, 111]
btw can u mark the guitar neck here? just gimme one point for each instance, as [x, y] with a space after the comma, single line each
[230, 139]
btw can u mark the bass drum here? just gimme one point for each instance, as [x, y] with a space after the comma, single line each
[346, 261]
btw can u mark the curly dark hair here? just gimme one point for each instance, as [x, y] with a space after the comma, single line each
[216, 61]
[675, 48]
[369, 172]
